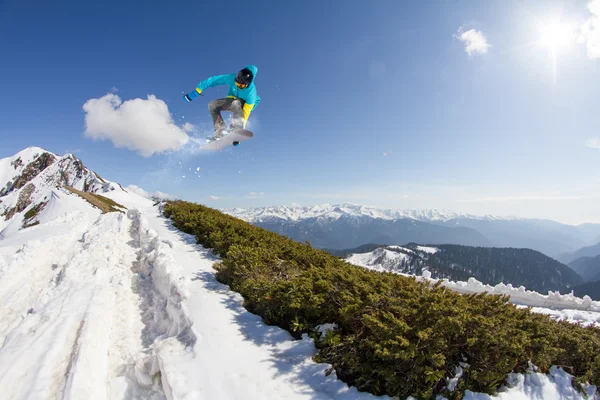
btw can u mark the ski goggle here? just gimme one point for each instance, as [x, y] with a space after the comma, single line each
[241, 85]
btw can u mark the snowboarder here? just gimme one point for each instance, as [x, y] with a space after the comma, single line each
[241, 99]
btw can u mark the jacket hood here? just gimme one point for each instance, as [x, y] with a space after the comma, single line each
[253, 69]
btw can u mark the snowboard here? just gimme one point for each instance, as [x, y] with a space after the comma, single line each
[232, 138]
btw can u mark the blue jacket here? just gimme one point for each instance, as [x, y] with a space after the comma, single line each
[249, 94]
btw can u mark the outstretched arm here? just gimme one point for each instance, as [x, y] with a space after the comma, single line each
[213, 81]
[216, 80]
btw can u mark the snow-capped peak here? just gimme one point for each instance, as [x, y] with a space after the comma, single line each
[28, 178]
[31, 152]
[11, 167]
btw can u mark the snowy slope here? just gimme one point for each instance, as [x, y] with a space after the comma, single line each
[124, 306]
[380, 259]
[119, 306]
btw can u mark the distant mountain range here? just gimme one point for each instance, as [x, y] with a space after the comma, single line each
[587, 251]
[347, 225]
[586, 262]
[332, 211]
[587, 267]
[519, 267]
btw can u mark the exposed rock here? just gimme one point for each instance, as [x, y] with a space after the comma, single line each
[23, 202]
[30, 216]
[6, 189]
[17, 163]
[73, 170]
[31, 171]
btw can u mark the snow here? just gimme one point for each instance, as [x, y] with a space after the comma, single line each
[430, 250]
[381, 259]
[585, 318]
[323, 328]
[555, 386]
[123, 305]
[520, 295]
[458, 373]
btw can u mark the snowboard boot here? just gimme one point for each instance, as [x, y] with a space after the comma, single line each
[218, 135]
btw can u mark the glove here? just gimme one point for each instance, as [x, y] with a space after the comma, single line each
[191, 96]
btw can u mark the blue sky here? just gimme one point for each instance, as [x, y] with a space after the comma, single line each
[376, 103]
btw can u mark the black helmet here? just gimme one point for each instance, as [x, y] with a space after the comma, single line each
[244, 78]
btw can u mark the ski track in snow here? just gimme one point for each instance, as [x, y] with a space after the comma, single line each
[69, 298]
[235, 354]
[125, 306]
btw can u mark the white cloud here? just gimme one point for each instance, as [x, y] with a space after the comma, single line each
[590, 31]
[594, 143]
[158, 194]
[474, 41]
[255, 195]
[137, 190]
[142, 125]
[162, 196]
[214, 197]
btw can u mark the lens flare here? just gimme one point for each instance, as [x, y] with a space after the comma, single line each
[555, 36]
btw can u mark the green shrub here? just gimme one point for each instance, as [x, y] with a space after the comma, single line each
[33, 211]
[395, 335]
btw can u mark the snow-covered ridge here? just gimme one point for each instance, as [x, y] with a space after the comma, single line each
[380, 259]
[396, 259]
[336, 211]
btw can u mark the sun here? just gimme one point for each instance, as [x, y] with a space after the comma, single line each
[554, 36]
